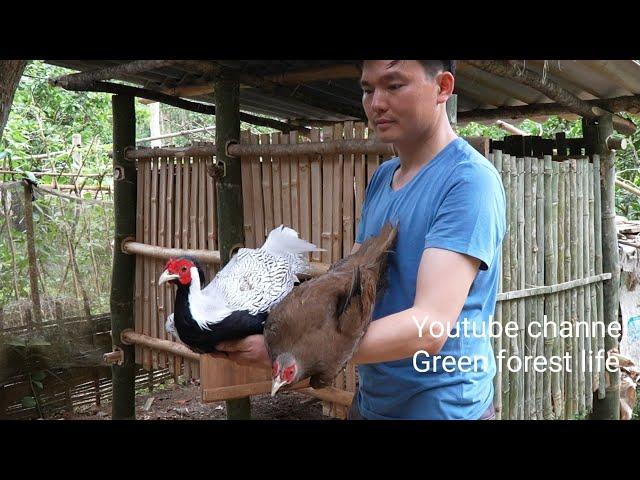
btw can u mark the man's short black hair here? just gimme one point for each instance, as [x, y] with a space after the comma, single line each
[432, 67]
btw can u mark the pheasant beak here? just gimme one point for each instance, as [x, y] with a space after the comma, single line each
[275, 386]
[167, 277]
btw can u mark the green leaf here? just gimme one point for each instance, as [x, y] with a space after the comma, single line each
[28, 402]
[38, 376]
[17, 342]
[38, 384]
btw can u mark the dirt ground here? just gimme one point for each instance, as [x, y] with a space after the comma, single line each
[178, 402]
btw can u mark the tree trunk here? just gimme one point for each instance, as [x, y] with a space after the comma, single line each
[10, 73]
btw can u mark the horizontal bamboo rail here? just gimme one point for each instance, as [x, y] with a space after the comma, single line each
[209, 257]
[129, 337]
[558, 287]
[360, 146]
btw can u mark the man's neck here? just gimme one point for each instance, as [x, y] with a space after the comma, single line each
[417, 154]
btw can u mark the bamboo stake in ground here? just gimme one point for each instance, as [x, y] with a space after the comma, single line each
[540, 254]
[555, 376]
[549, 280]
[506, 285]
[514, 395]
[528, 278]
[31, 252]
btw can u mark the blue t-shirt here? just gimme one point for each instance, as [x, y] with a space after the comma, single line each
[455, 202]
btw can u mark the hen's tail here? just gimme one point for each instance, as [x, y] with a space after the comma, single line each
[283, 240]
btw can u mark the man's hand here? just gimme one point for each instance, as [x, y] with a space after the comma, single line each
[249, 351]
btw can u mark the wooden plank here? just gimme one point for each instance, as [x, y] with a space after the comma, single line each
[295, 188]
[247, 196]
[267, 187]
[348, 227]
[152, 264]
[285, 174]
[276, 184]
[258, 208]
[327, 198]
[336, 201]
[316, 197]
[146, 234]
[160, 290]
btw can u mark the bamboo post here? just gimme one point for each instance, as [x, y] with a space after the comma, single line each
[506, 284]
[533, 282]
[556, 395]
[123, 272]
[31, 252]
[498, 345]
[581, 312]
[540, 257]
[572, 403]
[596, 132]
[229, 192]
[594, 288]
[7, 218]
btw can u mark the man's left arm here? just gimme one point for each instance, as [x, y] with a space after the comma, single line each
[443, 283]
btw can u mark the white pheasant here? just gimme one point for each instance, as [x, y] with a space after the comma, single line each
[236, 302]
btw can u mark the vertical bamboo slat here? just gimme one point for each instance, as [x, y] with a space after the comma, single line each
[316, 198]
[586, 374]
[285, 175]
[360, 171]
[540, 259]
[336, 229]
[528, 373]
[506, 285]
[258, 209]
[514, 394]
[597, 234]
[247, 196]
[168, 239]
[277, 182]
[347, 196]
[139, 259]
[581, 310]
[327, 198]
[155, 167]
[556, 395]
[295, 187]
[549, 341]
[496, 158]
[267, 187]
[186, 182]
[595, 384]
[572, 398]
[160, 290]
[560, 250]
[177, 238]
[146, 233]
[521, 285]
[305, 197]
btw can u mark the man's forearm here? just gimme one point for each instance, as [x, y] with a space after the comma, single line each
[396, 336]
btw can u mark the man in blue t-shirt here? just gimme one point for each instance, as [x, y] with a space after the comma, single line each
[427, 354]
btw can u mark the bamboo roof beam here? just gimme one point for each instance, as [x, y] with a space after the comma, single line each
[119, 89]
[629, 103]
[551, 89]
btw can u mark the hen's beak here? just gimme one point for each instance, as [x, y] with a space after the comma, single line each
[275, 386]
[167, 277]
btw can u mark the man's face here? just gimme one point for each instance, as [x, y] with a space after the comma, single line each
[400, 99]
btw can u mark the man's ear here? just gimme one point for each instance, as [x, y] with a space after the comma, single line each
[446, 84]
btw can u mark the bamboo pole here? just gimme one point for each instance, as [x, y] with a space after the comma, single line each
[592, 271]
[572, 407]
[586, 374]
[598, 132]
[229, 192]
[556, 394]
[568, 312]
[540, 258]
[295, 184]
[581, 310]
[528, 374]
[522, 266]
[532, 269]
[497, 339]
[123, 272]
[549, 280]
[514, 393]
[561, 249]
[161, 241]
[12, 249]
[597, 234]
[507, 285]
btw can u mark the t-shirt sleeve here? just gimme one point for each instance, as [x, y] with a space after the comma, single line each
[471, 219]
